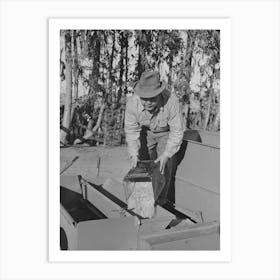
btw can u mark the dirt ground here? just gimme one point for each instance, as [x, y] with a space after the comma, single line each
[114, 161]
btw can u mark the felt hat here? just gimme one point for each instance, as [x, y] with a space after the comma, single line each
[149, 85]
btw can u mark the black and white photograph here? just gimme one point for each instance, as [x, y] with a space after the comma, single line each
[134, 139]
[140, 139]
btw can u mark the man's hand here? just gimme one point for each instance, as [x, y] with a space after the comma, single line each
[133, 160]
[162, 159]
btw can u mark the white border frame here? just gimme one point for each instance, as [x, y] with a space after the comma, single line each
[224, 254]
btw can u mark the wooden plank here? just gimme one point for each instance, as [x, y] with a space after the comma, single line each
[143, 244]
[116, 188]
[205, 243]
[195, 215]
[178, 214]
[178, 233]
[210, 138]
[190, 196]
[108, 234]
[98, 180]
[67, 217]
[68, 164]
[150, 226]
[114, 205]
[70, 182]
[161, 212]
[69, 227]
[112, 185]
[104, 204]
[201, 166]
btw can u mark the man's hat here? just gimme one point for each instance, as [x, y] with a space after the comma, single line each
[149, 85]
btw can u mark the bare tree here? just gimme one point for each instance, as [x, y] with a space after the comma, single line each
[68, 99]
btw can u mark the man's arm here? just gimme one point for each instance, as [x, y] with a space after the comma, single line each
[132, 128]
[176, 128]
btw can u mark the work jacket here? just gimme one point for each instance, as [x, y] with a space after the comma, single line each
[167, 118]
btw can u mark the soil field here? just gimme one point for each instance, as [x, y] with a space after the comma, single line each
[114, 161]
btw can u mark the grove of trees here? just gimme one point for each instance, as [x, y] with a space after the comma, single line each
[98, 69]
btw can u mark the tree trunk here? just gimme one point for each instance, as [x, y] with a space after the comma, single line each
[95, 44]
[62, 67]
[75, 68]
[95, 59]
[216, 122]
[170, 70]
[207, 114]
[189, 54]
[121, 68]
[139, 67]
[210, 101]
[142, 63]
[126, 64]
[68, 98]
[111, 64]
[84, 43]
